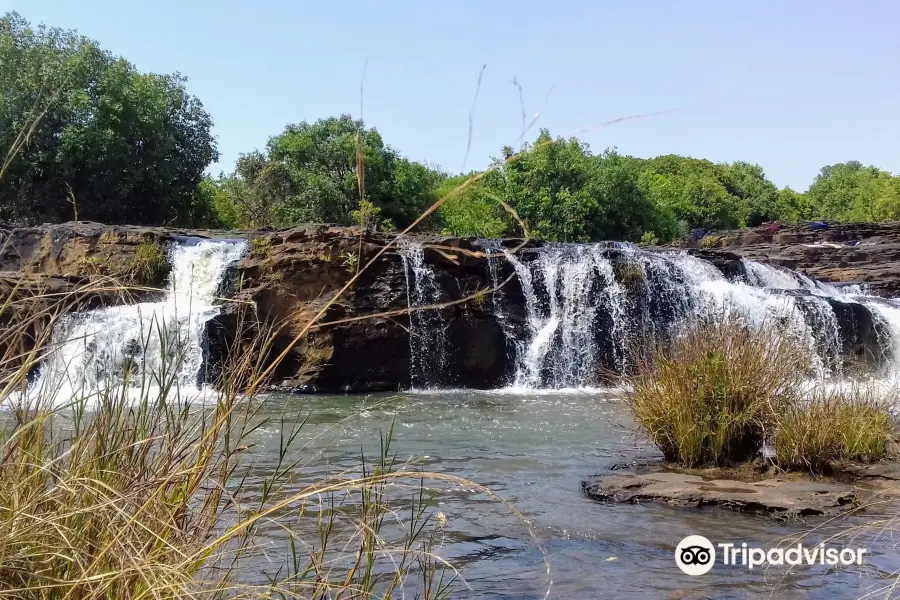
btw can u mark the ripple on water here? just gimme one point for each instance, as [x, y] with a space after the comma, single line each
[534, 450]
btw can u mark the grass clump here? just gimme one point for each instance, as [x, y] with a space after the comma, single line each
[150, 264]
[261, 246]
[630, 274]
[829, 427]
[711, 396]
[710, 241]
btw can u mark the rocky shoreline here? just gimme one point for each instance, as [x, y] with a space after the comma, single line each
[289, 275]
[771, 492]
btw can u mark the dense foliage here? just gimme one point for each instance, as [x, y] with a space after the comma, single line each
[96, 139]
[94, 136]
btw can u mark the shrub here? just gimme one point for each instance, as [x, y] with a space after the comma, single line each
[832, 426]
[649, 239]
[261, 246]
[150, 264]
[710, 241]
[710, 396]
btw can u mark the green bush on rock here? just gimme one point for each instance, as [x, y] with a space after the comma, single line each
[715, 394]
[710, 396]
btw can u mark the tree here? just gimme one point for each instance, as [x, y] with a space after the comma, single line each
[624, 211]
[759, 196]
[104, 140]
[792, 206]
[547, 184]
[853, 192]
[474, 210]
[309, 173]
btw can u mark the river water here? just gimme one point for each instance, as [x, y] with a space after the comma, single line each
[534, 450]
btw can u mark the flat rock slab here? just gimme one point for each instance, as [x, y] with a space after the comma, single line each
[780, 497]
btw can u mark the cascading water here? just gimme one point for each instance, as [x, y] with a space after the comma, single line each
[584, 300]
[147, 345]
[427, 328]
[588, 305]
[576, 283]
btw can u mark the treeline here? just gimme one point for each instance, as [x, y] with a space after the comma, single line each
[91, 137]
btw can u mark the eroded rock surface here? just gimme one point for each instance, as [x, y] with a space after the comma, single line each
[866, 253]
[289, 275]
[780, 497]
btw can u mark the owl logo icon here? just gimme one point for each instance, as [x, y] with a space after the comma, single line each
[695, 555]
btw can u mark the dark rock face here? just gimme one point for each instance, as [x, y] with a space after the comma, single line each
[361, 341]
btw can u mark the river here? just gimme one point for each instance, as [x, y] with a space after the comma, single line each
[533, 450]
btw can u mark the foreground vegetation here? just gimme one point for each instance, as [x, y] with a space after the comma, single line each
[105, 142]
[716, 394]
[137, 490]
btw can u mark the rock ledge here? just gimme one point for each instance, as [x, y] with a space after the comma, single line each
[783, 498]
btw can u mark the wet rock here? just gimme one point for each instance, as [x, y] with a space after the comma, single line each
[849, 253]
[361, 341]
[779, 497]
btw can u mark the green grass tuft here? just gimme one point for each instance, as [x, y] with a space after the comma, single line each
[150, 264]
[833, 426]
[711, 396]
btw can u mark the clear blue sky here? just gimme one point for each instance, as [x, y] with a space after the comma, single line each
[787, 84]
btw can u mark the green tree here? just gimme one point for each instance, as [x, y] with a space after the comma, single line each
[759, 196]
[128, 146]
[310, 173]
[474, 210]
[547, 184]
[853, 192]
[792, 206]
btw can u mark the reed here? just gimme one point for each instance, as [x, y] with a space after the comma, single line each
[830, 426]
[134, 489]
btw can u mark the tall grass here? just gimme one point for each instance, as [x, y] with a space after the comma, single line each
[134, 489]
[715, 394]
[711, 395]
[829, 426]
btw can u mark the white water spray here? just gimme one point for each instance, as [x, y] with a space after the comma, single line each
[146, 345]
[427, 331]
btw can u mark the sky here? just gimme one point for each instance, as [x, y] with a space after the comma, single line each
[792, 86]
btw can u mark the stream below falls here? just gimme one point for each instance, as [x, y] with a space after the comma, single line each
[534, 450]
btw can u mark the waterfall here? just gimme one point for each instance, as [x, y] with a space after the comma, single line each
[588, 305]
[150, 344]
[427, 328]
[576, 284]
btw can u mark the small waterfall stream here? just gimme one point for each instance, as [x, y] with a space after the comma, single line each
[151, 343]
[427, 335]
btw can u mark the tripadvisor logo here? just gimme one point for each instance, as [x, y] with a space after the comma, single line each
[696, 555]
